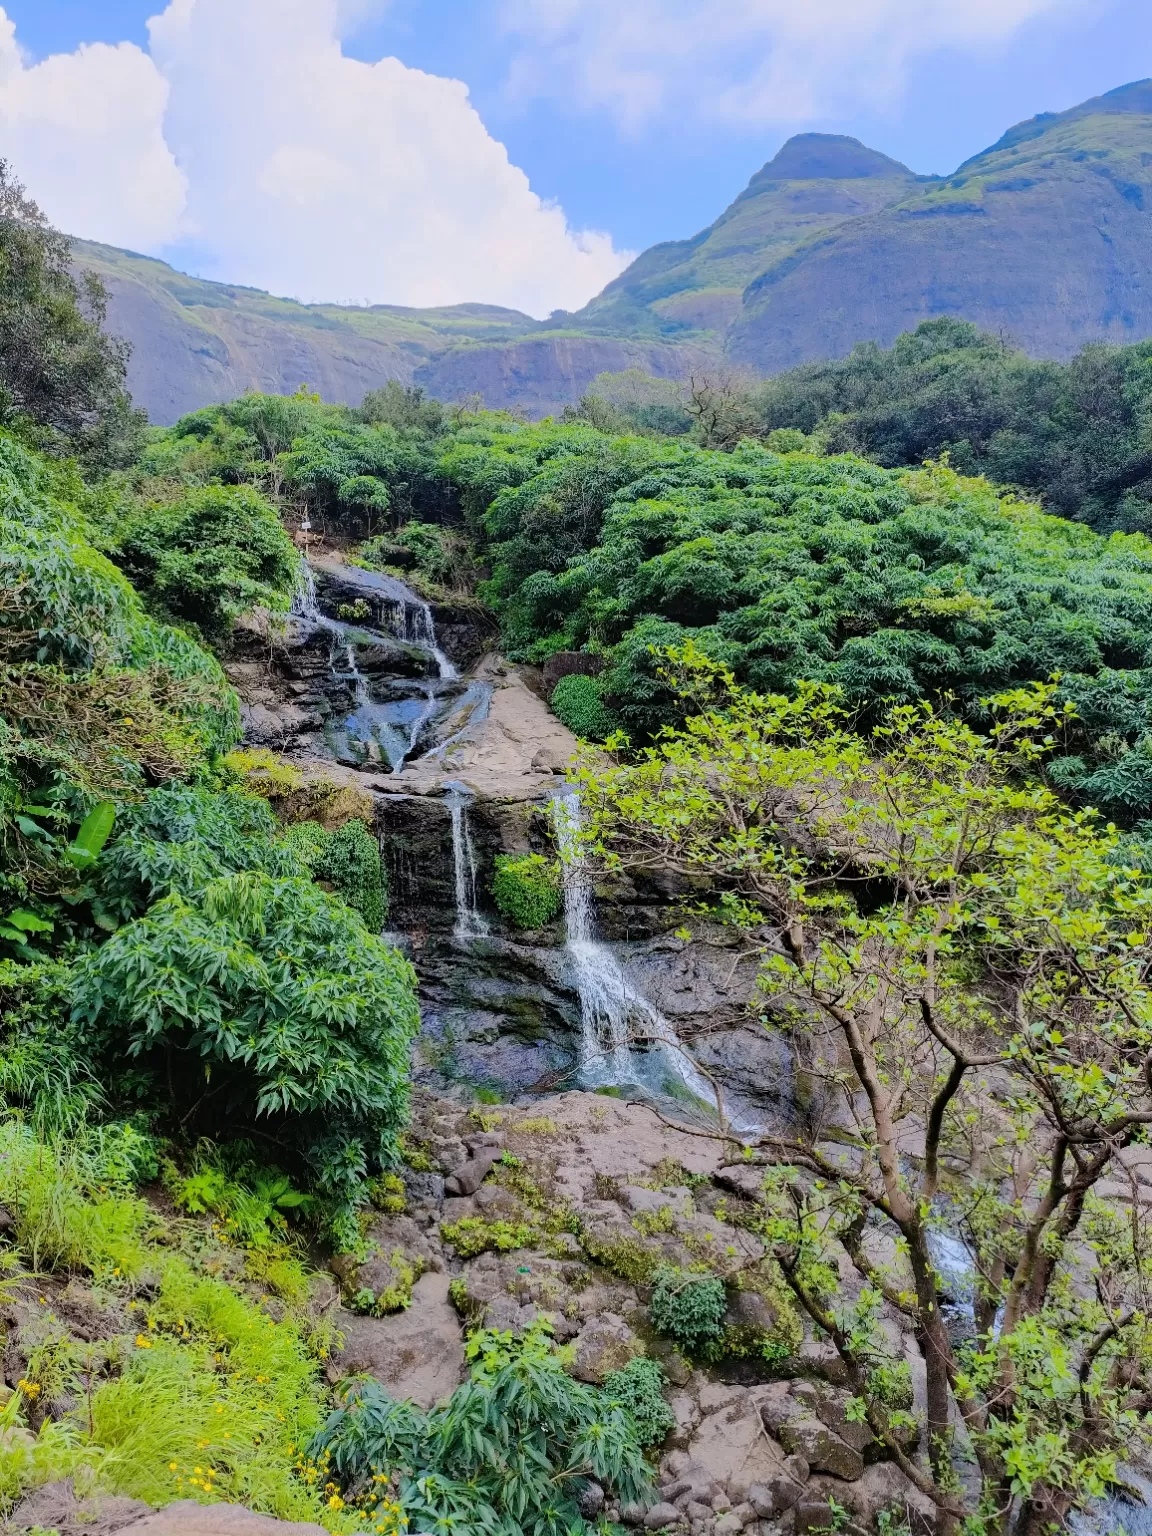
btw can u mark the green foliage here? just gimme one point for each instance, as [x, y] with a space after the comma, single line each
[99, 699]
[998, 937]
[788, 566]
[508, 1454]
[1073, 432]
[252, 1202]
[474, 1234]
[180, 838]
[526, 888]
[62, 378]
[207, 555]
[262, 1001]
[579, 703]
[688, 1307]
[211, 1384]
[639, 1388]
[350, 859]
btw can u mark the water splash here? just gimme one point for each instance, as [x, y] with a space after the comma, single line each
[470, 923]
[625, 1040]
[305, 604]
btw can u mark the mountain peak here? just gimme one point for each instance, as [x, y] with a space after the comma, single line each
[827, 157]
[1134, 98]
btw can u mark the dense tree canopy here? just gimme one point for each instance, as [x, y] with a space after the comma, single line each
[62, 377]
[1075, 433]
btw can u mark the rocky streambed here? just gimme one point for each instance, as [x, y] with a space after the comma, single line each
[596, 1194]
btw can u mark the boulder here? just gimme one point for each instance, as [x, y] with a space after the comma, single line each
[789, 1412]
[731, 1443]
[467, 1179]
[661, 1515]
[823, 1450]
[417, 1354]
[605, 1344]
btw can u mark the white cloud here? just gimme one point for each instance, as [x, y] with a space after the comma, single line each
[292, 167]
[83, 130]
[752, 61]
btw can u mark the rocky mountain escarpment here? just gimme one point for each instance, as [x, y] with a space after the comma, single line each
[1040, 238]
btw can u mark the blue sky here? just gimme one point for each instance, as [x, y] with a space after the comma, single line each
[664, 171]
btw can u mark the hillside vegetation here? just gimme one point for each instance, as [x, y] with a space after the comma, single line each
[871, 714]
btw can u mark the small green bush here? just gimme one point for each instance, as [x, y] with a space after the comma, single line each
[510, 1452]
[688, 1307]
[578, 702]
[349, 859]
[527, 889]
[351, 862]
[639, 1389]
[472, 1235]
[208, 555]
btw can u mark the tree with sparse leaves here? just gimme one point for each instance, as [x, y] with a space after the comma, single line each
[965, 963]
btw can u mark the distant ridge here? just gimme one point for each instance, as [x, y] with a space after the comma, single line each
[1044, 237]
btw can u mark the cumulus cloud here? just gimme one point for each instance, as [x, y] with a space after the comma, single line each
[84, 130]
[247, 133]
[752, 61]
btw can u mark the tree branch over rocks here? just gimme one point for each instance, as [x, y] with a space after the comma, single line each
[968, 961]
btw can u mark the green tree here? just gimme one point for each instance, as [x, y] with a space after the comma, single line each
[207, 556]
[62, 377]
[964, 964]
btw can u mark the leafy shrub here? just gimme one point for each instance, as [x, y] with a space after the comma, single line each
[180, 838]
[472, 1235]
[351, 861]
[99, 700]
[510, 1452]
[638, 1387]
[688, 1307]
[349, 858]
[208, 555]
[527, 889]
[261, 1000]
[579, 703]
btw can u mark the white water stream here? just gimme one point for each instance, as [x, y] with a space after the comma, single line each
[625, 1040]
[390, 729]
[470, 923]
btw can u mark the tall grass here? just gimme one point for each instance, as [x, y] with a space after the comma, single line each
[212, 1398]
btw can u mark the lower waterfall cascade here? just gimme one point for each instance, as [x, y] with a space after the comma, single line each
[470, 923]
[626, 1042]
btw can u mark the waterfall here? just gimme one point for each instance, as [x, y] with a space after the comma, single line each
[614, 1017]
[469, 922]
[421, 630]
[305, 605]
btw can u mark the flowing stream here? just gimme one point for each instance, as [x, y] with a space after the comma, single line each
[626, 1042]
[388, 729]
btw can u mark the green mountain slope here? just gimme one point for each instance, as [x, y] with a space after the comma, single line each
[195, 343]
[1044, 237]
[813, 186]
